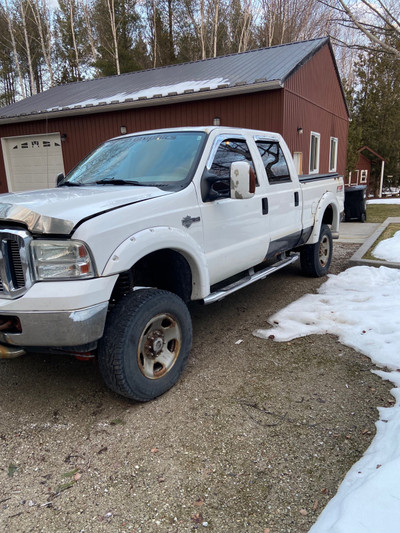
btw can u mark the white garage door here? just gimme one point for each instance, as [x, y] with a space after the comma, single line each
[33, 161]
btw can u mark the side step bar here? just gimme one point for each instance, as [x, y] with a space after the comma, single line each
[249, 279]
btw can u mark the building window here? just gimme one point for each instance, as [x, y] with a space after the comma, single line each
[314, 152]
[333, 154]
[298, 162]
[364, 176]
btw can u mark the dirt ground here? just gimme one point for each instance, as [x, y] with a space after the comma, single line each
[255, 437]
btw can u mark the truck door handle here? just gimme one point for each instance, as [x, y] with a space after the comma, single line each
[296, 198]
[265, 206]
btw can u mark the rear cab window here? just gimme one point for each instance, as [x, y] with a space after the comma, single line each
[274, 161]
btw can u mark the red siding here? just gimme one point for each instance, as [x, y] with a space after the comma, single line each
[314, 102]
[255, 110]
[364, 164]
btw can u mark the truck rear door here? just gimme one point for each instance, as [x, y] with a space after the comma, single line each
[283, 198]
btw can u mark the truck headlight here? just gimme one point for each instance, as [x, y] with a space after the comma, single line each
[61, 260]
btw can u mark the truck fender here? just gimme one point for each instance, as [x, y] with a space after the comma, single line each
[328, 199]
[154, 239]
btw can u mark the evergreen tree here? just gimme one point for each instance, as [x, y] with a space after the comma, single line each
[116, 25]
[376, 103]
[72, 43]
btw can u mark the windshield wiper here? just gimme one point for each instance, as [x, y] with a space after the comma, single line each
[118, 181]
[69, 184]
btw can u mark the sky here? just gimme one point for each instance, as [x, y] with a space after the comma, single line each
[362, 307]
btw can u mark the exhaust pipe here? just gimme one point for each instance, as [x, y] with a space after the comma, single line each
[10, 352]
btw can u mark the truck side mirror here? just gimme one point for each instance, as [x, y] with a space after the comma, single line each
[60, 177]
[243, 180]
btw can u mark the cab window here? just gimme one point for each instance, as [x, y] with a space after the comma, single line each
[228, 151]
[274, 162]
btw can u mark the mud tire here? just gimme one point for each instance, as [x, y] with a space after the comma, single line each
[315, 259]
[146, 344]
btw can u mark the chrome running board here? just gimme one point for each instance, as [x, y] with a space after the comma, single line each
[249, 279]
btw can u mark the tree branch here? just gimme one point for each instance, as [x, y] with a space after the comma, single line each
[369, 34]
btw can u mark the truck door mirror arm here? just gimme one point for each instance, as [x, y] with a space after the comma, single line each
[214, 187]
[60, 177]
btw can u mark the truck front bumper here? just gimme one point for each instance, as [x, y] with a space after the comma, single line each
[56, 328]
[57, 314]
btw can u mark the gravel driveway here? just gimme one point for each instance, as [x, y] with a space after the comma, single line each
[255, 437]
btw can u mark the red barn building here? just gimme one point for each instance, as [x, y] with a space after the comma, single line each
[293, 89]
[367, 160]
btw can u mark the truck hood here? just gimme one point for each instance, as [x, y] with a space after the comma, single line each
[58, 211]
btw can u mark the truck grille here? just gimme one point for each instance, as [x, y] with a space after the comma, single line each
[15, 276]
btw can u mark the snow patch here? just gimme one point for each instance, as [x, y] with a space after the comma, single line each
[389, 249]
[150, 92]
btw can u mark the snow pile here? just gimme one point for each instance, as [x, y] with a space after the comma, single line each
[389, 249]
[362, 307]
[385, 201]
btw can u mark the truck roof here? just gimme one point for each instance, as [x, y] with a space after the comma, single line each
[207, 129]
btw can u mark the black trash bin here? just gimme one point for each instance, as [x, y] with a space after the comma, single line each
[355, 203]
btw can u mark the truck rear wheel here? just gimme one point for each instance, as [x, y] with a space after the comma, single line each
[316, 258]
[146, 344]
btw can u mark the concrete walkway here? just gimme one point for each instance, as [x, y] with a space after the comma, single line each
[356, 232]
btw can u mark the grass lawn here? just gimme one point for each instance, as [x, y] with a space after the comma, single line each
[380, 212]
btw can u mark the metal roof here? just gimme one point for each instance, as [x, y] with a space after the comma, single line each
[254, 70]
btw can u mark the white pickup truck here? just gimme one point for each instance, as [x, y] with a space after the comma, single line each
[105, 264]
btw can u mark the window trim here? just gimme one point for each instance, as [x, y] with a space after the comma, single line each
[364, 176]
[336, 144]
[317, 136]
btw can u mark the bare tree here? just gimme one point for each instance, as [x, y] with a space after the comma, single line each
[202, 29]
[87, 18]
[72, 25]
[27, 48]
[14, 49]
[155, 42]
[41, 15]
[376, 21]
[215, 30]
[286, 21]
[114, 32]
[246, 21]
[196, 13]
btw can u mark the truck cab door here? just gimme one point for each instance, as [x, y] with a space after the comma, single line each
[284, 198]
[235, 229]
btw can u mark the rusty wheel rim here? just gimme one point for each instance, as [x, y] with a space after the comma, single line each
[324, 251]
[159, 346]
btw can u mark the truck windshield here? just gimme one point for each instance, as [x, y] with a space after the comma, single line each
[160, 159]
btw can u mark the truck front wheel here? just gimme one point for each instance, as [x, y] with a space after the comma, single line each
[316, 258]
[146, 344]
